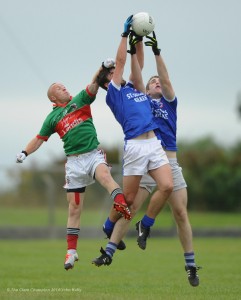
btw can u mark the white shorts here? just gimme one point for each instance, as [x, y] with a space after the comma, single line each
[140, 156]
[178, 180]
[80, 169]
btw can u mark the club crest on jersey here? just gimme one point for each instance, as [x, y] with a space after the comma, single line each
[74, 106]
[160, 104]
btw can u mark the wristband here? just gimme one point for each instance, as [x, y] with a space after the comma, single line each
[24, 152]
[156, 51]
[125, 34]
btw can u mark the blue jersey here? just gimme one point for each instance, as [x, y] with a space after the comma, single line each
[165, 113]
[131, 108]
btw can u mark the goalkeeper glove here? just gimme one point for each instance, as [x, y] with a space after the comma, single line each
[133, 40]
[127, 26]
[153, 44]
[21, 157]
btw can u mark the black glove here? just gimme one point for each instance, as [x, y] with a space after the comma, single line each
[133, 40]
[153, 44]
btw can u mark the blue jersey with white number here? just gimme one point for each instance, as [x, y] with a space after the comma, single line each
[165, 112]
[131, 108]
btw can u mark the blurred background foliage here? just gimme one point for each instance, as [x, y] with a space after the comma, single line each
[212, 172]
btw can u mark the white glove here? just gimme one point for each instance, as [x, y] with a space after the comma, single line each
[21, 157]
[109, 63]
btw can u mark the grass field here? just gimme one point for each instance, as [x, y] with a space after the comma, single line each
[94, 218]
[34, 270]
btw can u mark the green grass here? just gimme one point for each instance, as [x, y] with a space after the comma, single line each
[95, 218]
[34, 270]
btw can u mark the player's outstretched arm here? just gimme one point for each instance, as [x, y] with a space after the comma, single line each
[137, 61]
[94, 86]
[122, 53]
[32, 146]
[167, 89]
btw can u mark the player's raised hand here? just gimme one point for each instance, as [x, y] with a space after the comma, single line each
[153, 43]
[133, 40]
[20, 157]
[127, 26]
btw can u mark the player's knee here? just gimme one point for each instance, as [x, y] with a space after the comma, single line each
[130, 197]
[166, 187]
[181, 215]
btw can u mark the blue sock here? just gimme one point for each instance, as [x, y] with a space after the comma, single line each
[110, 249]
[109, 226]
[147, 222]
[190, 259]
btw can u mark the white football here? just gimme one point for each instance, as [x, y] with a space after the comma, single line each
[143, 23]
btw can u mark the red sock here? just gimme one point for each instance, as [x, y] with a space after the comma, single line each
[72, 238]
[72, 241]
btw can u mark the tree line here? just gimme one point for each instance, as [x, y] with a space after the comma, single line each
[212, 172]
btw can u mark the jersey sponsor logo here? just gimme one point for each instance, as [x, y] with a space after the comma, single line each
[73, 119]
[159, 113]
[157, 110]
[137, 97]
